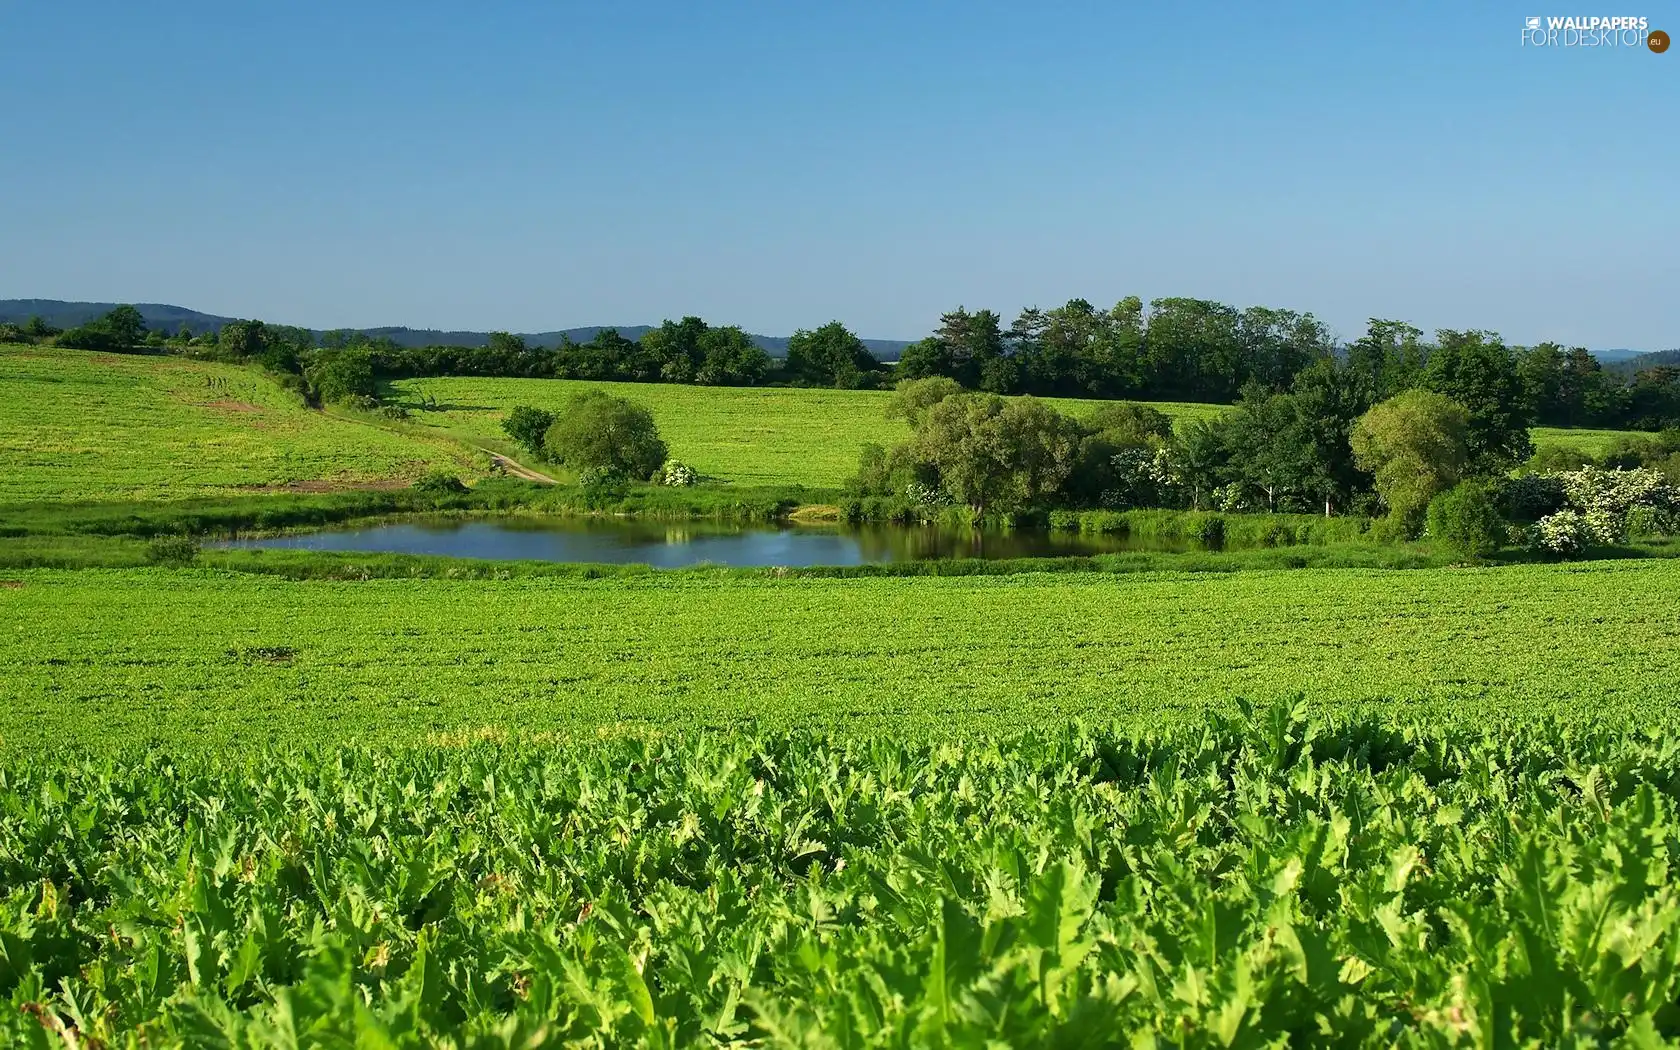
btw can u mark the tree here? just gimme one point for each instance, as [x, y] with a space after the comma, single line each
[507, 343]
[340, 375]
[528, 427]
[1478, 371]
[994, 454]
[1327, 399]
[924, 360]
[1387, 359]
[1415, 444]
[729, 357]
[971, 340]
[598, 432]
[913, 397]
[1200, 453]
[126, 326]
[829, 356]
[1126, 423]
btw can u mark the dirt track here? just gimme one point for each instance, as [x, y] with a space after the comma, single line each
[519, 471]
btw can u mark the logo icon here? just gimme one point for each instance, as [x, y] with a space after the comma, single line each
[1657, 41]
[1534, 22]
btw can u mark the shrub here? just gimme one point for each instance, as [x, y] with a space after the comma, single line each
[1564, 533]
[1646, 522]
[172, 550]
[676, 473]
[599, 432]
[440, 483]
[602, 487]
[1465, 519]
[1210, 532]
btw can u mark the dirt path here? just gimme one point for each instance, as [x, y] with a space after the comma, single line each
[519, 471]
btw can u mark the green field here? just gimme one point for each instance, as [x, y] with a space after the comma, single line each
[84, 426]
[757, 436]
[462, 806]
[748, 435]
[1591, 442]
[196, 657]
[1273, 882]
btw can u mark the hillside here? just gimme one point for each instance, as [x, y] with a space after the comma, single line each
[84, 426]
[167, 318]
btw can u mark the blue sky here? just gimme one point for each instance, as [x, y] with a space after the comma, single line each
[538, 165]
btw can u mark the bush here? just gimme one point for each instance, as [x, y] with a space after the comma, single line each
[1210, 532]
[602, 487]
[527, 427]
[599, 432]
[1465, 519]
[1564, 533]
[172, 550]
[440, 483]
[675, 473]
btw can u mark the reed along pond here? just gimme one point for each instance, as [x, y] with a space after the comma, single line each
[672, 545]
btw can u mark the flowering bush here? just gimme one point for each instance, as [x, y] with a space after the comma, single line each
[1615, 492]
[926, 495]
[676, 473]
[1602, 505]
[1565, 533]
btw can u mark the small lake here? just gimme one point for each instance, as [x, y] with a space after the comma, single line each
[676, 544]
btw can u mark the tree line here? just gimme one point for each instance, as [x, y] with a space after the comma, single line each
[1175, 349]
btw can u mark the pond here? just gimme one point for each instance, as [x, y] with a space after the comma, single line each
[676, 544]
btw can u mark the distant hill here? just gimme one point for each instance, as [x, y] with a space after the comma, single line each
[1617, 356]
[1640, 362]
[169, 319]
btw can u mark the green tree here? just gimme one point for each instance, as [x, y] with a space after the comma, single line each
[528, 427]
[340, 375]
[1416, 444]
[596, 431]
[126, 326]
[1388, 358]
[924, 360]
[829, 356]
[994, 454]
[1477, 370]
[913, 397]
[1129, 424]
[507, 343]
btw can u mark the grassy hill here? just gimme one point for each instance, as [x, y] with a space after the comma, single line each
[761, 436]
[87, 426]
[750, 435]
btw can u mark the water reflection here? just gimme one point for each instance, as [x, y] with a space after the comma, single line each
[670, 545]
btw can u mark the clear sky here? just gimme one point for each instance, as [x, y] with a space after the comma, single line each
[529, 166]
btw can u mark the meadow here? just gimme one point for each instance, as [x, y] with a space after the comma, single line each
[193, 658]
[753, 435]
[82, 426]
[746, 435]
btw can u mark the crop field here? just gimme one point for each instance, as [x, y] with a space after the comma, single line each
[86, 426]
[756, 436]
[1274, 880]
[184, 657]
